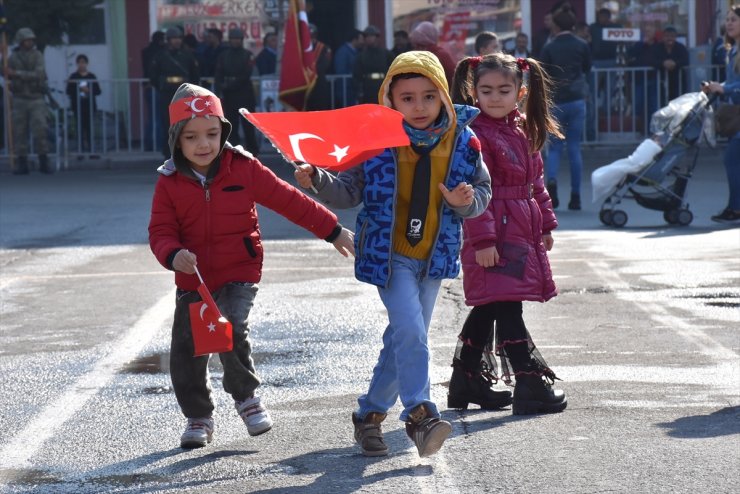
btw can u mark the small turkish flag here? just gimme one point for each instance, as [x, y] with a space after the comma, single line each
[212, 332]
[333, 139]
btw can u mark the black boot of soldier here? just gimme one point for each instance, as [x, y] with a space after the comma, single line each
[534, 394]
[468, 388]
[44, 165]
[21, 166]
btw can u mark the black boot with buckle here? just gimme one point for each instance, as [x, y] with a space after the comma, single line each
[533, 392]
[474, 387]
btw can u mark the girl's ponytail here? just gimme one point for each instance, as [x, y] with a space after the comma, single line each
[540, 121]
[462, 87]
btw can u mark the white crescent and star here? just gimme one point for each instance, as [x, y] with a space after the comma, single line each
[339, 153]
[295, 143]
[195, 108]
[211, 327]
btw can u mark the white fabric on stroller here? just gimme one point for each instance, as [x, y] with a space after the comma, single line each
[605, 179]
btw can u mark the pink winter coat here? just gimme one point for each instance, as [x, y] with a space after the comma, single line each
[519, 213]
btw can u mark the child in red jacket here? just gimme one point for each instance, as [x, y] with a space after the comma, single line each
[204, 213]
[504, 254]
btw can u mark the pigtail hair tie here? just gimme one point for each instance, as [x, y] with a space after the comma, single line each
[474, 62]
[522, 64]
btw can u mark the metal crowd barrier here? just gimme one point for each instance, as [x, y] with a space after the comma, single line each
[123, 123]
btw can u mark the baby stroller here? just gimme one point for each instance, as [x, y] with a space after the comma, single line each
[656, 175]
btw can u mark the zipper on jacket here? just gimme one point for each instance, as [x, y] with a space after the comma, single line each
[206, 184]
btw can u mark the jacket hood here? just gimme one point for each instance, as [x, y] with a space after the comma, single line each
[185, 91]
[426, 64]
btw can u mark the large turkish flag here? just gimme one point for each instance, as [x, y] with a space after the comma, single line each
[298, 64]
[333, 139]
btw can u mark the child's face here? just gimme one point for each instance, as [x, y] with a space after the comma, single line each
[81, 65]
[418, 99]
[497, 93]
[200, 141]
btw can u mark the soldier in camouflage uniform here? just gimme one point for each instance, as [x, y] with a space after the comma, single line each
[170, 68]
[234, 86]
[28, 86]
[370, 66]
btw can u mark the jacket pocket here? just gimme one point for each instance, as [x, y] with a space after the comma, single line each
[250, 247]
[512, 260]
[361, 239]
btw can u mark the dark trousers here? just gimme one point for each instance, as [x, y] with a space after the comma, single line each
[83, 119]
[190, 377]
[231, 112]
[512, 338]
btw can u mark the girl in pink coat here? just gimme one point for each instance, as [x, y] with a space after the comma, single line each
[504, 254]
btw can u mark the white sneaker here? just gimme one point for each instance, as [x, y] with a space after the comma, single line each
[254, 415]
[198, 433]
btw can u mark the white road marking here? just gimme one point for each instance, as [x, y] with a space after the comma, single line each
[18, 452]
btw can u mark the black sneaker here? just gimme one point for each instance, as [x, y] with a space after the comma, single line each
[552, 189]
[727, 216]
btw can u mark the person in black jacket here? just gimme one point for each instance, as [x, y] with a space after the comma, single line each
[670, 57]
[233, 84]
[170, 68]
[82, 88]
[567, 59]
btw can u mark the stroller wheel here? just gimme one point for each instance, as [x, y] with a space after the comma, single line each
[685, 217]
[605, 215]
[671, 216]
[619, 218]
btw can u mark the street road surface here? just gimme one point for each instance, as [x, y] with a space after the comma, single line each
[645, 335]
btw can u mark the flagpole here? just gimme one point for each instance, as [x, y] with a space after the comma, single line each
[244, 112]
[198, 273]
[7, 116]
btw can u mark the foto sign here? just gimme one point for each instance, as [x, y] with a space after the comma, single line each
[625, 35]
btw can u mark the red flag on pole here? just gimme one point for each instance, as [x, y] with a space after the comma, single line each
[333, 139]
[212, 332]
[298, 65]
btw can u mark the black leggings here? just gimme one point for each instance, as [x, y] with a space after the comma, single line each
[512, 339]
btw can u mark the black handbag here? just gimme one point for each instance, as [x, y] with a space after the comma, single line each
[727, 119]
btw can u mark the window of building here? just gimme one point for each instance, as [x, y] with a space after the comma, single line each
[650, 16]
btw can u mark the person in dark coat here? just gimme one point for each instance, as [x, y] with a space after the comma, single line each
[233, 84]
[669, 58]
[370, 67]
[520, 49]
[267, 59]
[344, 63]
[82, 88]
[401, 42]
[320, 96]
[169, 69]
[567, 59]
[209, 51]
[153, 132]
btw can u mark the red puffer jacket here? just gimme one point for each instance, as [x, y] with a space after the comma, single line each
[218, 222]
[518, 214]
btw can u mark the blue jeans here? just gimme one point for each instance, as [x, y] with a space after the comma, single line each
[403, 365]
[571, 116]
[732, 167]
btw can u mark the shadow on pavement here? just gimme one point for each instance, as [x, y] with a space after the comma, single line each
[723, 422]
